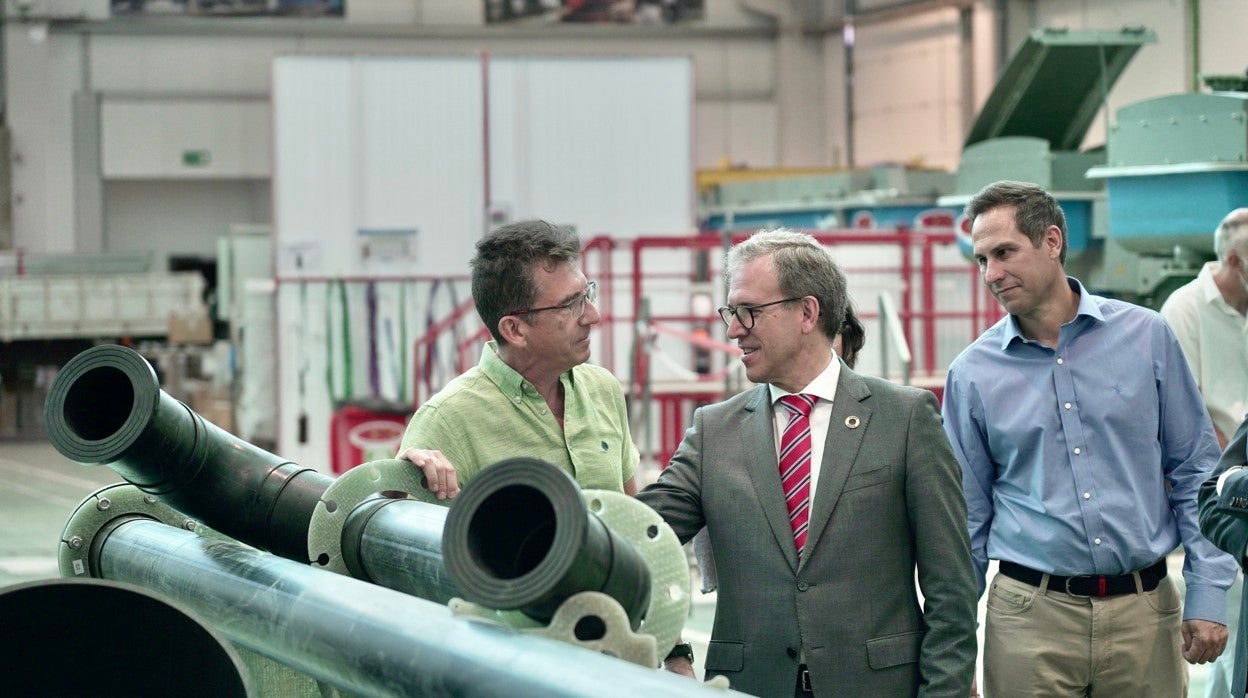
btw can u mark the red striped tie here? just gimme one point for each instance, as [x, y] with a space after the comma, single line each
[795, 464]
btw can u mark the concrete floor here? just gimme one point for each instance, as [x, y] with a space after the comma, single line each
[40, 489]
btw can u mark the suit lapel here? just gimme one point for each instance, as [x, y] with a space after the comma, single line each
[758, 444]
[850, 416]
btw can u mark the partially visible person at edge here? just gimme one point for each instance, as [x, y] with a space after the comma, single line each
[849, 341]
[832, 500]
[532, 392]
[1083, 442]
[1208, 317]
[1224, 519]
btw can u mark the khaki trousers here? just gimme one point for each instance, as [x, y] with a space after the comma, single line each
[1044, 642]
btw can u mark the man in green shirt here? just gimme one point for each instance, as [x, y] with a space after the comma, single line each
[532, 393]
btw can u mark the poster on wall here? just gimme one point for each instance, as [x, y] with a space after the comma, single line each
[594, 11]
[211, 8]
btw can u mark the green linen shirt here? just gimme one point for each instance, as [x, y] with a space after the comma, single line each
[490, 412]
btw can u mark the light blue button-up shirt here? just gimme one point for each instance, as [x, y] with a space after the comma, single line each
[1086, 459]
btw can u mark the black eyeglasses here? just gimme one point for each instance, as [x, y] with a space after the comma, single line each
[745, 313]
[576, 306]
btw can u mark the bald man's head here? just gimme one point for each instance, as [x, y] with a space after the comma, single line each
[1232, 234]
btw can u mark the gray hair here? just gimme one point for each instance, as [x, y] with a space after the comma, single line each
[803, 268]
[1232, 234]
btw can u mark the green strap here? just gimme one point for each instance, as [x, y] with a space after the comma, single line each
[345, 392]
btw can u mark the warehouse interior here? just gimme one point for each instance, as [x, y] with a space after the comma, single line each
[274, 202]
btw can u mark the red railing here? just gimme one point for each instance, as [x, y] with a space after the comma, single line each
[917, 307]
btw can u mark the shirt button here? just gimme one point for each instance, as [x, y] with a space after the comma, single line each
[1076, 451]
[791, 652]
[1059, 361]
[516, 399]
[1097, 541]
[543, 410]
[1067, 405]
[1087, 495]
[802, 585]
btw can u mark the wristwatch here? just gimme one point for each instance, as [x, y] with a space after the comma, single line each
[681, 649]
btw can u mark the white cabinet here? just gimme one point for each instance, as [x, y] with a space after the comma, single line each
[186, 138]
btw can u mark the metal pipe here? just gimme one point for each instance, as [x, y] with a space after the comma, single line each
[357, 636]
[397, 543]
[520, 537]
[106, 407]
[91, 637]
[161, 446]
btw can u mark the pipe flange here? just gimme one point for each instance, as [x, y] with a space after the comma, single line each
[657, 543]
[346, 493]
[99, 508]
[595, 621]
[91, 434]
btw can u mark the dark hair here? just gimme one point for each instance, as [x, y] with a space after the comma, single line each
[502, 270]
[1034, 209]
[803, 268]
[853, 337]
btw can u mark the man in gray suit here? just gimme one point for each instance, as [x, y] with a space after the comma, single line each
[817, 575]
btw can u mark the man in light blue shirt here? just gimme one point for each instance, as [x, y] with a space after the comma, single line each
[1083, 441]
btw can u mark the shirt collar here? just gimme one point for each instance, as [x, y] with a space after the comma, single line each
[823, 386]
[508, 380]
[1087, 307]
[1209, 287]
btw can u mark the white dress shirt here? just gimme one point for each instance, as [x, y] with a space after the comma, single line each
[823, 387]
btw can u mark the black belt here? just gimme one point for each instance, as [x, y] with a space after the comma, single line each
[1089, 584]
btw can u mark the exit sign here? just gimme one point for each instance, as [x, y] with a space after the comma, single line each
[196, 158]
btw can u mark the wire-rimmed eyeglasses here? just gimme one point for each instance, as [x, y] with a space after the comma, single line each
[576, 306]
[745, 313]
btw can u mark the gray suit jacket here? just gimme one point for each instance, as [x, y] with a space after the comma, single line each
[1224, 521]
[889, 501]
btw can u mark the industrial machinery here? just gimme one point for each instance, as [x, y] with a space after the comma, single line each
[1141, 210]
[521, 547]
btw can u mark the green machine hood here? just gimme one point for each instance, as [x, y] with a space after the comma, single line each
[1033, 123]
[1054, 85]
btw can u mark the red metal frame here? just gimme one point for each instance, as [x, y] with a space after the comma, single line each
[674, 407]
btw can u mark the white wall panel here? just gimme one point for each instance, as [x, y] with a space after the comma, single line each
[603, 144]
[907, 91]
[312, 164]
[43, 71]
[737, 132]
[1222, 27]
[179, 217]
[363, 144]
[147, 138]
[185, 64]
[421, 160]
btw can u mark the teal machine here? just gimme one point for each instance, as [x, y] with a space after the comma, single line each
[1141, 210]
[1177, 164]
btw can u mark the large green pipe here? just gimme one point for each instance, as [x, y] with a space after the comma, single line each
[106, 407]
[520, 537]
[92, 637]
[360, 637]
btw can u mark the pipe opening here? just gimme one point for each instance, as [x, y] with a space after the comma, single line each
[98, 403]
[516, 533]
[93, 637]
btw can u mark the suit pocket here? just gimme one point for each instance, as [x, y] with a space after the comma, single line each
[894, 650]
[725, 656]
[859, 480]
